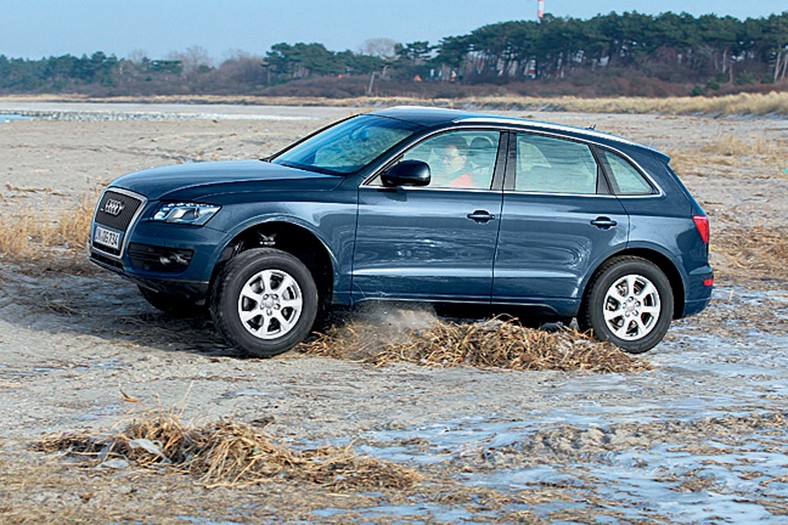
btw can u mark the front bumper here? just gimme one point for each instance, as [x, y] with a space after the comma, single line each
[190, 280]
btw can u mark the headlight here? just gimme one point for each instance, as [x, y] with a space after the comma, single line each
[185, 213]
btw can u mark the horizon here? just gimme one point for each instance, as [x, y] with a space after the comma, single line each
[172, 27]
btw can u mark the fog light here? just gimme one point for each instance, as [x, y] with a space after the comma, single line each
[158, 258]
[175, 259]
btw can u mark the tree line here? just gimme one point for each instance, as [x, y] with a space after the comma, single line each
[708, 50]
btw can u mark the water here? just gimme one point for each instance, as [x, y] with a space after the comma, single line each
[9, 118]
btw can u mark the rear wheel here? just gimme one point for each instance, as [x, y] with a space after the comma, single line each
[264, 302]
[629, 303]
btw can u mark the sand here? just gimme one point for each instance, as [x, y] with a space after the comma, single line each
[700, 438]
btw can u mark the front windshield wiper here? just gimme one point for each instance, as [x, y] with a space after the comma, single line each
[309, 167]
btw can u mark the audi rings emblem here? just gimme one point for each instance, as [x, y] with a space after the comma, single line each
[113, 207]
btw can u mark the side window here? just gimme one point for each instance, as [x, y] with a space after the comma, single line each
[626, 179]
[550, 165]
[459, 159]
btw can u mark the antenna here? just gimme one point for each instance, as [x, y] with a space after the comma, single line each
[540, 9]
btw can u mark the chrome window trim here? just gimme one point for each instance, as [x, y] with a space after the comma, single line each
[550, 126]
[132, 222]
[638, 167]
[427, 188]
[520, 127]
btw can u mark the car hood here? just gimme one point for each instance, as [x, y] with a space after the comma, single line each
[203, 179]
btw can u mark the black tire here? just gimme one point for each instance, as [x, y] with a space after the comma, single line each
[637, 316]
[173, 305]
[266, 331]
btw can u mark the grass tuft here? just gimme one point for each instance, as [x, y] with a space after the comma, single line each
[493, 344]
[26, 232]
[228, 453]
[753, 252]
[730, 145]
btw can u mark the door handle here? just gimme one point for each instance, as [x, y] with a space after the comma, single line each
[604, 223]
[481, 216]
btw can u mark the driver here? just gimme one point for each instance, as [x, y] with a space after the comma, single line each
[456, 170]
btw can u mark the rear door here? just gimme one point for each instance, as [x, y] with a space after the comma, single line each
[559, 221]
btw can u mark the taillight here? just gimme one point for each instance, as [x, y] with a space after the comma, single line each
[702, 224]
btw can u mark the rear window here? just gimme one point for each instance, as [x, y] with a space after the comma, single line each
[626, 180]
[550, 165]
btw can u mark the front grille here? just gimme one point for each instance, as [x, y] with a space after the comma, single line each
[116, 210]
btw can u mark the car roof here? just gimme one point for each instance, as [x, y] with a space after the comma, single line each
[430, 117]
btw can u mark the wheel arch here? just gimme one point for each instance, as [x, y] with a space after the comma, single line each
[292, 237]
[662, 261]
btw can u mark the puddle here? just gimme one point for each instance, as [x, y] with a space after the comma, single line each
[100, 413]
[208, 521]
[37, 371]
[428, 511]
[678, 469]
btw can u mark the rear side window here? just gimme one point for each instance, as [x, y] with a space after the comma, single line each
[550, 165]
[626, 180]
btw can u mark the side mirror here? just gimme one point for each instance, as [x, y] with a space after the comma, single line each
[407, 173]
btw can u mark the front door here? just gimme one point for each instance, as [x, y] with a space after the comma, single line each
[435, 242]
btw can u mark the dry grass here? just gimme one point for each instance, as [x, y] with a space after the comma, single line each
[728, 150]
[774, 103]
[493, 344]
[729, 145]
[747, 253]
[24, 232]
[228, 453]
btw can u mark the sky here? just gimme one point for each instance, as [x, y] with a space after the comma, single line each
[38, 28]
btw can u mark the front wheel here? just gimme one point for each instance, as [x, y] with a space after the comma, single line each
[629, 303]
[264, 302]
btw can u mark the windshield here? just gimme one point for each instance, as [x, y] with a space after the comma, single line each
[348, 146]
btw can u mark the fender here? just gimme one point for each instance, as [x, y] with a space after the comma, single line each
[259, 220]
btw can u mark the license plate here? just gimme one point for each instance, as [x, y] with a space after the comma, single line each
[106, 237]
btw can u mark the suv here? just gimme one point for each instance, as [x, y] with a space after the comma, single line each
[416, 204]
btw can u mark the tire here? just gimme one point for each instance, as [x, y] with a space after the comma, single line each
[172, 305]
[264, 302]
[628, 302]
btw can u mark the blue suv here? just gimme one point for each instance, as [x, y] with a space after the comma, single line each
[416, 204]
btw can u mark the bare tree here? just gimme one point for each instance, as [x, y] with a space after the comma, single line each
[137, 56]
[194, 58]
[378, 47]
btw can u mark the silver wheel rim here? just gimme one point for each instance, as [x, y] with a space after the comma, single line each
[631, 307]
[270, 304]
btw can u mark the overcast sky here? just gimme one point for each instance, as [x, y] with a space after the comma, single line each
[37, 28]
